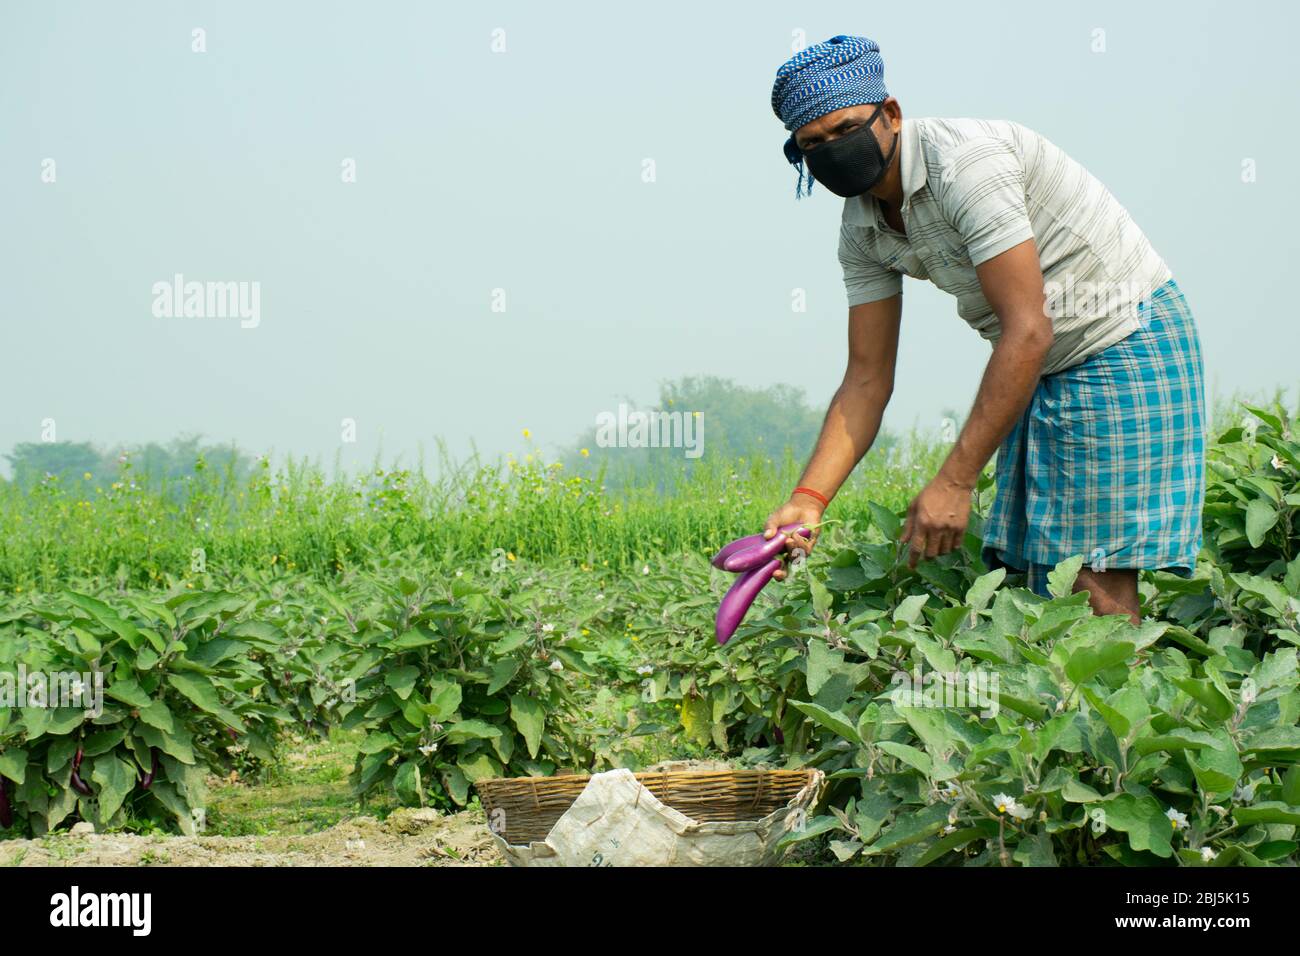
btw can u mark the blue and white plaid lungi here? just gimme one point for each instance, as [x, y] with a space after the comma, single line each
[1108, 460]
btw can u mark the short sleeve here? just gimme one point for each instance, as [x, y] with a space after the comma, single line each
[982, 195]
[865, 279]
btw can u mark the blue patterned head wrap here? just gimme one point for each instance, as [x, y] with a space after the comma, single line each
[839, 72]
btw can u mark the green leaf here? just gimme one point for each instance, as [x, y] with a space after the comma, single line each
[479, 766]
[697, 719]
[402, 680]
[457, 786]
[1274, 739]
[947, 620]
[376, 743]
[103, 742]
[1291, 786]
[417, 637]
[530, 719]
[884, 519]
[116, 779]
[503, 672]
[105, 616]
[918, 759]
[203, 695]
[1086, 662]
[444, 699]
[178, 744]
[465, 730]
[909, 609]
[953, 841]
[1217, 707]
[156, 714]
[13, 763]
[823, 660]
[1217, 769]
[128, 692]
[911, 828]
[833, 721]
[1124, 710]
[1177, 739]
[1076, 791]
[821, 597]
[1060, 580]
[407, 784]
[984, 588]
[1035, 850]
[1142, 820]
[1261, 515]
[1271, 811]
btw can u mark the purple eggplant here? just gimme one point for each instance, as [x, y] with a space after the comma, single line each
[751, 541]
[740, 544]
[758, 555]
[6, 811]
[147, 780]
[78, 784]
[736, 602]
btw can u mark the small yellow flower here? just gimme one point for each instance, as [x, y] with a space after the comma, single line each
[527, 433]
[509, 556]
[86, 476]
[585, 453]
[585, 632]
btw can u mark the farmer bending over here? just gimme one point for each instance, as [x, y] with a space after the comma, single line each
[1092, 397]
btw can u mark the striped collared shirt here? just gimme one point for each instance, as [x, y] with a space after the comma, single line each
[973, 189]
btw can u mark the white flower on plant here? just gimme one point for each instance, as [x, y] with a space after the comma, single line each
[1276, 462]
[556, 665]
[949, 828]
[645, 670]
[1176, 820]
[1244, 793]
[460, 573]
[949, 791]
[645, 569]
[429, 749]
[1207, 854]
[600, 597]
[1007, 804]
[547, 628]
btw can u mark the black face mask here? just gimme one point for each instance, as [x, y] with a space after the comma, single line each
[852, 164]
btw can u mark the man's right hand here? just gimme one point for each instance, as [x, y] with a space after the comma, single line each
[800, 509]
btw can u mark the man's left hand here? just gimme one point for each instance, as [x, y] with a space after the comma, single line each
[936, 519]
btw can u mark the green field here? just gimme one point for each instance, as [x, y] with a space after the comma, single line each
[414, 635]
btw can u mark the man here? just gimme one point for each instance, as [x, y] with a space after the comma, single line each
[1092, 397]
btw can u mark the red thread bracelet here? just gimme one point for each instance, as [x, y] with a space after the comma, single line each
[813, 494]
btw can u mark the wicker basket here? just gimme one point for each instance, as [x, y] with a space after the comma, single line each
[532, 805]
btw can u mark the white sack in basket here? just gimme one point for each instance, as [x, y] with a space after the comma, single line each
[616, 821]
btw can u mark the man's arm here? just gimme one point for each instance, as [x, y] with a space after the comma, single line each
[853, 418]
[1012, 283]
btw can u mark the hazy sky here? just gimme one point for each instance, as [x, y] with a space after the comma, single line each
[522, 171]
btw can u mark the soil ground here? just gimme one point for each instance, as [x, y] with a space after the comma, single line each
[302, 814]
